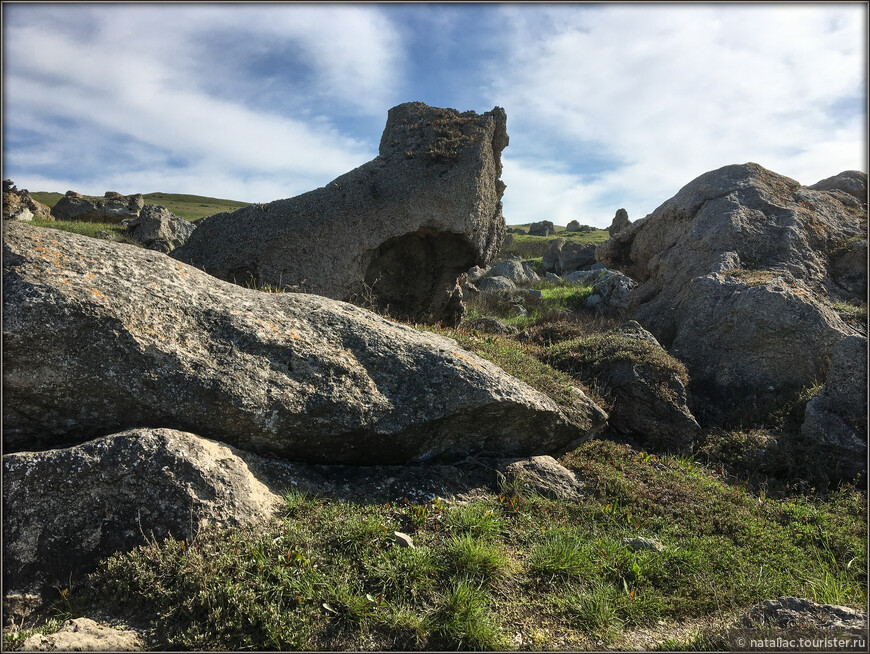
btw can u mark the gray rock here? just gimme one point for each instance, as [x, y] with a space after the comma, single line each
[848, 267]
[101, 337]
[563, 256]
[852, 182]
[647, 388]
[796, 612]
[475, 273]
[85, 635]
[610, 291]
[531, 275]
[495, 285]
[639, 544]
[113, 208]
[399, 230]
[553, 277]
[542, 228]
[531, 293]
[620, 222]
[159, 229]
[837, 416]
[543, 475]
[573, 226]
[514, 271]
[19, 205]
[65, 509]
[733, 280]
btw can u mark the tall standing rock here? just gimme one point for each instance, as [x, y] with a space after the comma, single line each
[100, 337]
[620, 222]
[735, 282]
[396, 233]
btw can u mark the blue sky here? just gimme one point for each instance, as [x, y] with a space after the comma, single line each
[609, 106]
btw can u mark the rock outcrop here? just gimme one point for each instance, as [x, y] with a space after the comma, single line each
[112, 208]
[398, 231]
[646, 386]
[564, 256]
[610, 288]
[18, 205]
[837, 416]
[159, 229]
[735, 282]
[620, 221]
[100, 337]
[519, 272]
[65, 509]
[542, 228]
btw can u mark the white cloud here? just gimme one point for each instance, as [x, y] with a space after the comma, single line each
[139, 76]
[669, 92]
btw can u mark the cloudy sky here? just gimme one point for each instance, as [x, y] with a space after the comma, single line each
[609, 106]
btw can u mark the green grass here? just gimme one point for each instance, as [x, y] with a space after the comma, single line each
[117, 231]
[189, 207]
[326, 575]
[531, 247]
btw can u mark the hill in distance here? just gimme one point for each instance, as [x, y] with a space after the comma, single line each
[189, 207]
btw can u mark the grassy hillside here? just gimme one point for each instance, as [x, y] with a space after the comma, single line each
[189, 207]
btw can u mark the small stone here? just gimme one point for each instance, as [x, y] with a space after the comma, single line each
[403, 540]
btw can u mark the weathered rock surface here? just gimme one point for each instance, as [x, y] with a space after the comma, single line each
[159, 229]
[853, 182]
[543, 475]
[100, 337]
[475, 273]
[647, 387]
[796, 612]
[734, 282]
[620, 221]
[639, 544]
[85, 635]
[519, 272]
[402, 227]
[610, 288]
[564, 256]
[113, 208]
[575, 226]
[18, 205]
[495, 284]
[542, 228]
[65, 509]
[837, 416]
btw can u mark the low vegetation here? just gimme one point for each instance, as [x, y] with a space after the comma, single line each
[497, 572]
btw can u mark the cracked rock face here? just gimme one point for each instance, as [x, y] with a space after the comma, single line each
[735, 281]
[65, 509]
[100, 337]
[394, 234]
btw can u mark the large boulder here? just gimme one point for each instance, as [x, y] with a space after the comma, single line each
[734, 282]
[646, 386]
[101, 337]
[837, 416]
[564, 256]
[519, 272]
[112, 208]
[19, 205]
[542, 228]
[398, 231]
[65, 509]
[159, 229]
[610, 288]
[620, 221]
